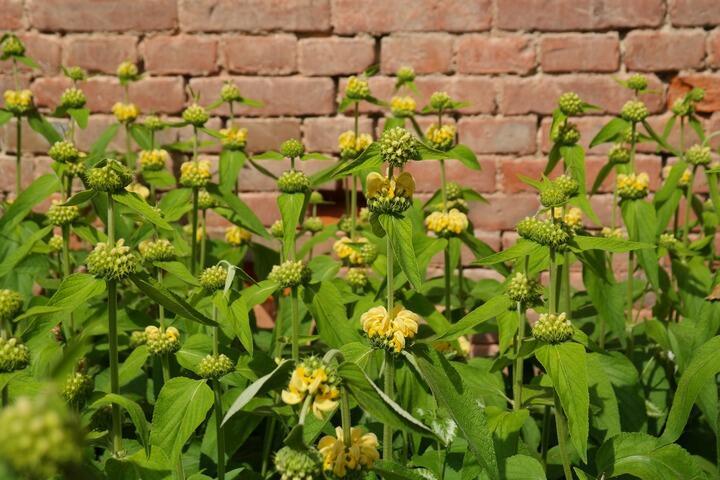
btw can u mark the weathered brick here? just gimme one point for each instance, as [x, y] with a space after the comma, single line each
[99, 53]
[381, 16]
[254, 15]
[714, 48]
[539, 94]
[321, 134]
[502, 212]
[658, 123]
[12, 16]
[694, 12]
[588, 127]
[44, 49]
[264, 55]
[580, 53]
[710, 83]
[661, 51]
[32, 142]
[102, 15]
[565, 15]
[426, 175]
[488, 54]
[335, 55]
[426, 53]
[499, 135]
[183, 54]
[281, 95]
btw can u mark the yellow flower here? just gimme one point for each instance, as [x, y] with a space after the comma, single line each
[237, 236]
[441, 138]
[125, 112]
[154, 160]
[351, 250]
[376, 322]
[127, 71]
[312, 378]
[340, 459]
[18, 101]
[572, 217]
[351, 146]
[608, 232]
[139, 189]
[633, 186]
[195, 173]
[403, 106]
[233, 138]
[390, 330]
[445, 223]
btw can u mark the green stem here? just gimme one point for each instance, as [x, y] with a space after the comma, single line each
[203, 241]
[345, 417]
[353, 207]
[267, 446]
[114, 368]
[566, 292]
[128, 147]
[562, 433]
[552, 283]
[518, 371]
[688, 205]
[161, 309]
[18, 157]
[165, 361]
[295, 323]
[545, 440]
[5, 396]
[193, 240]
[217, 390]
[66, 267]
[443, 185]
[389, 388]
[630, 288]
[448, 285]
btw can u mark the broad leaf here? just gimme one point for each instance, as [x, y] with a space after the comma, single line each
[292, 206]
[168, 299]
[275, 379]
[142, 208]
[36, 193]
[492, 308]
[399, 230]
[134, 411]
[327, 308]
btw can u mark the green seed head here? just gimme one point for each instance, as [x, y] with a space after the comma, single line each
[76, 74]
[293, 181]
[112, 178]
[160, 250]
[553, 328]
[524, 290]
[316, 198]
[10, 304]
[357, 89]
[357, 278]
[453, 191]
[668, 240]
[698, 155]
[570, 104]
[543, 232]
[112, 262]
[553, 195]
[215, 366]
[566, 133]
[440, 101]
[405, 74]
[154, 160]
[313, 224]
[696, 95]
[14, 355]
[682, 108]
[196, 115]
[290, 273]
[162, 340]
[213, 278]
[277, 229]
[137, 338]
[154, 123]
[230, 93]
[61, 215]
[619, 154]
[13, 47]
[73, 97]
[292, 148]
[637, 82]
[55, 243]
[634, 111]
[64, 151]
[294, 464]
[78, 388]
[205, 200]
[569, 186]
[398, 146]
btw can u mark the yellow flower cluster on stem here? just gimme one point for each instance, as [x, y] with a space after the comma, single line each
[311, 378]
[341, 459]
[390, 329]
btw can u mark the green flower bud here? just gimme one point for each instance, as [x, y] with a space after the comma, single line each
[18, 102]
[78, 388]
[608, 232]
[524, 290]
[196, 115]
[681, 108]
[154, 160]
[637, 82]
[213, 278]
[368, 253]
[294, 464]
[76, 169]
[698, 155]
[344, 224]
[440, 101]
[55, 243]
[154, 123]
[41, 438]
[162, 341]
[696, 95]
[13, 47]
[230, 93]
[553, 195]
[628, 136]
[14, 355]
[293, 181]
[61, 215]
[215, 366]
[76, 74]
[10, 304]
[619, 154]
[566, 133]
[570, 104]
[277, 229]
[313, 224]
[195, 173]
[357, 89]
[357, 278]
[112, 178]
[543, 232]
[553, 328]
[112, 262]
[568, 185]
[64, 151]
[398, 146]
[127, 72]
[138, 338]
[160, 250]
[290, 273]
[405, 74]
[292, 148]
[316, 198]
[73, 97]
[453, 191]
[668, 240]
[634, 111]
[205, 200]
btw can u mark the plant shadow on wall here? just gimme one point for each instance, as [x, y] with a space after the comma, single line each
[130, 346]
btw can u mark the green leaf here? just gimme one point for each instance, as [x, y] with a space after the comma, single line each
[275, 379]
[28, 62]
[142, 208]
[17, 255]
[394, 471]
[601, 176]
[327, 308]
[641, 223]
[238, 318]
[521, 248]
[142, 136]
[231, 162]
[662, 143]
[615, 127]
[400, 232]
[180, 409]
[465, 156]
[615, 245]
[523, 467]
[566, 365]
[5, 116]
[270, 155]
[179, 270]
[259, 292]
[134, 411]
[606, 414]
[80, 198]
[36, 193]
[575, 161]
[80, 115]
[76, 289]
[376, 403]
[642, 456]
[40, 124]
[452, 393]
[292, 207]
[701, 371]
[245, 217]
[367, 160]
[491, 309]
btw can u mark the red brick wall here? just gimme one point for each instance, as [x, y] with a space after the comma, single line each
[510, 58]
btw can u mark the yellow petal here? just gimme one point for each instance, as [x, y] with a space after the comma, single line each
[375, 183]
[407, 182]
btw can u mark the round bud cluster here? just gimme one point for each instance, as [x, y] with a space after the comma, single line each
[290, 273]
[316, 198]
[292, 148]
[213, 278]
[553, 195]
[441, 138]
[127, 72]
[544, 232]
[205, 200]
[637, 82]
[698, 155]
[154, 160]
[681, 108]
[153, 123]
[73, 97]
[78, 388]
[566, 133]
[668, 240]
[111, 178]
[293, 181]
[233, 138]
[62, 215]
[294, 464]
[112, 262]
[14, 355]
[357, 89]
[398, 146]
[55, 243]
[385, 195]
[632, 186]
[64, 151]
[403, 107]
[572, 218]
[137, 338]
[608, 232]
[358, 251]
[18, 102]
[40, 438]
[10, 304]
[570, 104]
[195, 173]
[447, 224]
[196, 115]
[140, 190]
[619, 154]
[313, 224]
[160, 250]
[161, 341]
[440, 101]
[277, 229]
[344, 224]
[215, 366]
[368, 254]
[237, 236]
[453, 191]
[524, 290]
[351, 146]
[76, 169]
[405, 74]
[553, 328]
[696, 95]
[230, 93]
[459, 204]
[125, 112]
[13, 47]
[76, 74]
[634, 111]
[357, 278]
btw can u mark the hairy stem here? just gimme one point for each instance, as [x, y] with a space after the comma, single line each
[345, 417]
[562, 434]
[295, 323]
[688, 205]
[518, 371]
[389, 387]
[217, 390]
[18, 157]
[193, 240]
[203, 240]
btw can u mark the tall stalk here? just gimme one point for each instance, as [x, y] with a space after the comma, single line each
[193, 240]
[18, 156]
[217, 390]
[688, 205]
[203, 239]
[518, 371]
[389, 371]
[562, 434]
[353, 192]
[295, 309]
[113, 336]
